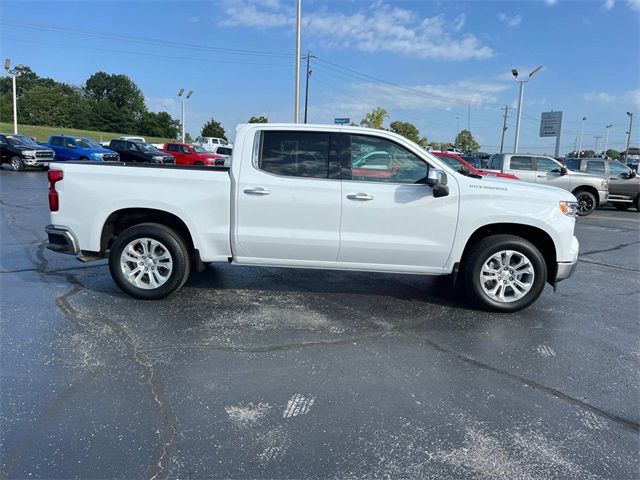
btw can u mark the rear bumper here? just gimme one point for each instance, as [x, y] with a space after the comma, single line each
[62, 240]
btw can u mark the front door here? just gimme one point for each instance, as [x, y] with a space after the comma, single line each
[288, 200]
[390, 218]
[548, 172]
[621, 181]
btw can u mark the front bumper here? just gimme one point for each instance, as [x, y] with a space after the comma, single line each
[603, 197]
[37, 162]
[62, 240]
[566, 269]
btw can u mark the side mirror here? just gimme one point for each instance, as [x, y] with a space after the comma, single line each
[563, 170]
[437, 180]
[465, 170]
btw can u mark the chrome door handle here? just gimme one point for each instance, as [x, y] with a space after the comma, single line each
[542, 176]
[256, 191]
[362, 197]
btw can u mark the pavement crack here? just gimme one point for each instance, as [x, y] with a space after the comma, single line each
[625, 423]
[168, 432]
[610, 249]
[52, 271]
[604, 264]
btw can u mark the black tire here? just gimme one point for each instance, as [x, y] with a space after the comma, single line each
[481, 252]
[17, 165]
[198, 163]
[84, 159]
[171, 241]
[636, 203]
[587, 202]
[622, 206]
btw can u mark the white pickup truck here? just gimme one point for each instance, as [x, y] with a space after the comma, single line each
[300, 196]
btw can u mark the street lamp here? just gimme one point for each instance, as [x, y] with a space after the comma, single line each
[606, 138]
[581, 131]
[13, 73]
[184, 100]
[514, 72]
[630, 114]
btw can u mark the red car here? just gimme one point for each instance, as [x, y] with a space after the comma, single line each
[455, 162]
[186, 154]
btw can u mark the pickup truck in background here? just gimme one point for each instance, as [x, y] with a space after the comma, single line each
[139, 152]
[463, 166]
[21, 151]
[624, 183]
[591, 191]
[79, 148]
[186, 154]
[294, 197]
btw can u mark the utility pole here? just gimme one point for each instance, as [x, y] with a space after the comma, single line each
[296, 88]
[630, 114]
[469, 119]
[606, 139]
[457, 132]
[7, 67]
[504, 126]
[597, 137]
[306, 88]
[581, 131]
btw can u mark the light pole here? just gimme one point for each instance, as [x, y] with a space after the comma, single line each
[7, 67]
[183, 101]
[296, 87]
[581, 131]
[597, 137]
[514, 72]
[630, 114]
[606, 138]
[457, 133]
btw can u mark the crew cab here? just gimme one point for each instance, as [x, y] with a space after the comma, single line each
[21, 151]
[140, 152]
[464, 167]
[591, 191]
[79, 148]
[299, 196]
[186, 154]
[624, 183]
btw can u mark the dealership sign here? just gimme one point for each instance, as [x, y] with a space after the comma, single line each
[341, 121]
[550, 124]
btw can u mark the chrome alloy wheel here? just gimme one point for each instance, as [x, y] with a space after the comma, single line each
[146, 263]
[507, 276]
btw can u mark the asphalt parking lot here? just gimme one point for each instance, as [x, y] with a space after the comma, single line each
[270, 373]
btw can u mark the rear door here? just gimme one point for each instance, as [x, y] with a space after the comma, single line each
[390, 218]
[522, 166]
[70, 149]
[56, 145]
[288, 200]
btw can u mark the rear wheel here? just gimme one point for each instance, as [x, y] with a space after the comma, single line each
[504, 273]
[149, 261]
[586, 202]
[17, 164]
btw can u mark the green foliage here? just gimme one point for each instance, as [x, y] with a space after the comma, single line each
[406, 129]
[158, 125]
[118, 90]
[188, 138]
[213, 129]
[615, 154]
[466, 142]
[375, 118]
[259, 119]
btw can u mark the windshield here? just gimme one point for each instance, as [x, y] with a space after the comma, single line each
[87, 143]
[21, 140]
[198, 149]
[146, 147]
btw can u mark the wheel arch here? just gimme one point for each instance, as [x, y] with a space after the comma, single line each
[541, 239]
[590, 189]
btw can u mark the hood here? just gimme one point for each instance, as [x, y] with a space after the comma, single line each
[32, 147]
[521, 188]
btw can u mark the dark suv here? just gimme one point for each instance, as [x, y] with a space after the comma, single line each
[624, 183]
[21, 151]
[130, 151]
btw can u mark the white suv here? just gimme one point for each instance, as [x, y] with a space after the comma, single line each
[209, 142]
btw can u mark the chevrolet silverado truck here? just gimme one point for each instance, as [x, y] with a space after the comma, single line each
[295, 196]
[591, 191]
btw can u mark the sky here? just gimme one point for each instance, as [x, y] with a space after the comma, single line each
[442, 65]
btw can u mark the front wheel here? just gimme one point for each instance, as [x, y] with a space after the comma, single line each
[17, 165]
[149, 261]
[586, 202]
[504, 273]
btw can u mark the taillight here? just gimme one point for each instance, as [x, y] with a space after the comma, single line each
[54, 202]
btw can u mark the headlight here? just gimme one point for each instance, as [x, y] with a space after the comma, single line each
[98, 156]
[605, 184]
[570, 209]
[157, 158]
[29, 153]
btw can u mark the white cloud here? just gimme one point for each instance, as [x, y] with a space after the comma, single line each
[382, 27]
[551, 2]
[513, 21]
[608, 4]
[632, 97]
[193, 19]
[634, 5]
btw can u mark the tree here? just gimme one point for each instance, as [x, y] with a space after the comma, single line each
[466, 142]
[55, 106]
[158, 125]
[188, 138]
[423, 142]
[615, 154]
[259, 119]
[213, 129]
[406, 129]
[375, 118]
[119, 90]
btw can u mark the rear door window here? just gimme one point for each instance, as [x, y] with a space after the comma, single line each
[572, 164]
[295, 154]
[521, 163]
[595, 166]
